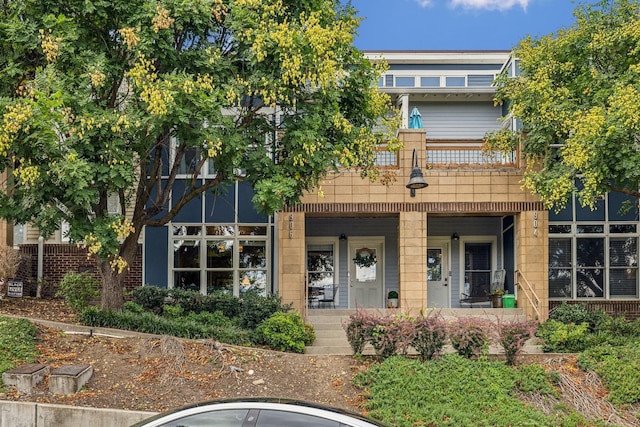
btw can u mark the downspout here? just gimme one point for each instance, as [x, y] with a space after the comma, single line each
[40, 266]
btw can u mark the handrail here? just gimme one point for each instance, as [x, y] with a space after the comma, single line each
[530, 294]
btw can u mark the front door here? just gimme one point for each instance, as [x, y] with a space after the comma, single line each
[366, 273]
[438, 273]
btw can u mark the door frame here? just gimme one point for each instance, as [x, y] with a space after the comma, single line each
[366, 241]
[492, 239]
[443, 243]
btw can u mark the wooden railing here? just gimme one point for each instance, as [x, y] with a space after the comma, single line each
[457, 153]
[531, 307]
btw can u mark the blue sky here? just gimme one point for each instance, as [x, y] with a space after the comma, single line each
[457, 24]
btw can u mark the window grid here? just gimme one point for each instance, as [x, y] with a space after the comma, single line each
[227, 257]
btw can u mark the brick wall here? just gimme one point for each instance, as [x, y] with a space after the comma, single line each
[628, 309]
[62, 258]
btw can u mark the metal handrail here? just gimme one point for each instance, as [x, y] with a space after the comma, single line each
[529, 293]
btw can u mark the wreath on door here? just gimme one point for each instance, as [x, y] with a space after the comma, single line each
[365, 257]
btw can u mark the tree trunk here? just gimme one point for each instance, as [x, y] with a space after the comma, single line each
[112, 295]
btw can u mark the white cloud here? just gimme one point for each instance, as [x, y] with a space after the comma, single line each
[487, 4]
[424, 3]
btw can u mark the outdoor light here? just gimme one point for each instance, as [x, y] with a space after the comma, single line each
[416, 180]
[455, 236]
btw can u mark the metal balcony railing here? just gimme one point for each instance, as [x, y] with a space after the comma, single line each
[454, 154]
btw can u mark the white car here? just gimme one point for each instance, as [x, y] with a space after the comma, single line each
[258, 412]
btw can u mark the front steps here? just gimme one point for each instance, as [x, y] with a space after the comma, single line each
[332, 340]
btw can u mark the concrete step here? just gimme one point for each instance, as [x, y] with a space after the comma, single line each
[25, 377]
[69, 379]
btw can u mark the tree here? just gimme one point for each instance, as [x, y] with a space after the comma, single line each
[578, 97]
[102, 98]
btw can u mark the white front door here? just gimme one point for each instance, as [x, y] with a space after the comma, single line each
[366, 260]
[438, 273]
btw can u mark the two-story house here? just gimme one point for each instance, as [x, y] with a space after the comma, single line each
[351, 242]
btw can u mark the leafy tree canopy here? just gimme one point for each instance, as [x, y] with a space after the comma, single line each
[578, 97]
[94, 92]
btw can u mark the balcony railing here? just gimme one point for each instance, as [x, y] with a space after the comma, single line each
[456, 154]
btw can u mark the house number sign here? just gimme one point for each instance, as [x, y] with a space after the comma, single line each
[291, 226]
[535, 224]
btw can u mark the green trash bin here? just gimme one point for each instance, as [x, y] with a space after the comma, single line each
[508, 301]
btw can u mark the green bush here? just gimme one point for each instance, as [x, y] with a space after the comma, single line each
[184, 327]
[579, 313]
[17, 342]
[190, 301]
[224, 302]
[285, 332]
[217, 318]
[256, 308]
[561, 337]
[172, 311]
[133, 307]
[152, 298]
[78, 290]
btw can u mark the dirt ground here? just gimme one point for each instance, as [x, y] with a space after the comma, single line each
[156, 374]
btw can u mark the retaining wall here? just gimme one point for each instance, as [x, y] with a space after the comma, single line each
[29, 414]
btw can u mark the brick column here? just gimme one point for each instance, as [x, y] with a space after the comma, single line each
[532, 249]
[413, 267]
[291, 258]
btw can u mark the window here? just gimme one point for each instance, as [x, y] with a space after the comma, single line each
[18, 234]
[232, 257]
[430, 81]
[455, 81]
[594, 254]
[321, 264]
[405, 81]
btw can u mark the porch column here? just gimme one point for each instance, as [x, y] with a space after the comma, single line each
[291, 258]
[412, 264]
[532, 250]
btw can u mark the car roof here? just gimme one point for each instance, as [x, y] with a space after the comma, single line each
[273, 403]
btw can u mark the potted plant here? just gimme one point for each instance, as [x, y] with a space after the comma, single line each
[496, 298]
[392, 299]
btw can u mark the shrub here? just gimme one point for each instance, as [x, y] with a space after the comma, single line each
[256, 308]
[224, 302]
[151, 298]
[190, 301]
[217, 318]
[469, 336]
[357, 329]
[172, 311]
[512, 336]
[577, 314]
[429, 336]
[285, 332]
[198, 326]
[564, 337]
[78, 289]
[133, 307]
[390, 335]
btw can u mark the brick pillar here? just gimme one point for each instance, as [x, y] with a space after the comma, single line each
[413, 266]
[291, 258]
[532, 250]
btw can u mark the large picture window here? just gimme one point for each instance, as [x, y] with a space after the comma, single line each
[594, 254]
[232, 258]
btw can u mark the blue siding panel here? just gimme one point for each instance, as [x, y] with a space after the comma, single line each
[156, 242]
